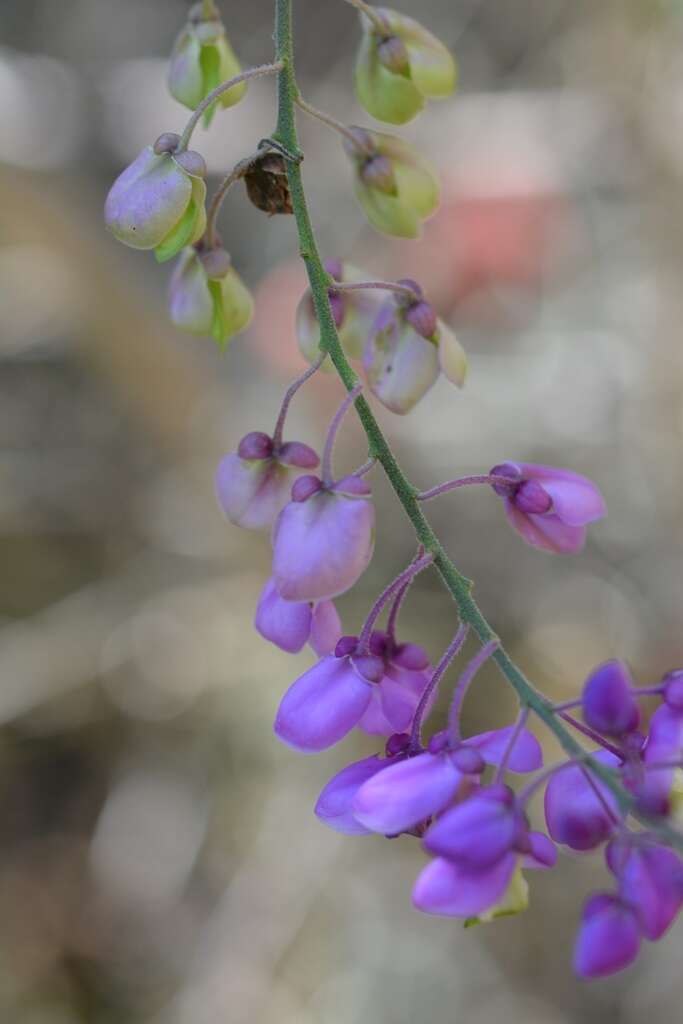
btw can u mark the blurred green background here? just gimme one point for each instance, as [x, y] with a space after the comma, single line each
[159, 858]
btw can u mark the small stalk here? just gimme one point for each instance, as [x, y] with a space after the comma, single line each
[371, 14]
[331, 122]
[236, 174]
[463, 481]
[386, 286]
[463, 685]
[514, 736]
[407, 576]
[257, 72]
[341, 412]
[452, 650]
[289, 395]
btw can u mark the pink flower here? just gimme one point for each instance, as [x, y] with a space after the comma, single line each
[549, 507]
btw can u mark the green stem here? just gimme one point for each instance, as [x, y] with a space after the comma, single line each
[459, 587]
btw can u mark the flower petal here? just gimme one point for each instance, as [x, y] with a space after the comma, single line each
[475, 833]
[453, 891]
[608, 940]
[334, 806]
[546, 532]
[406, 793]
[322, 706]
[526, 755]
[287, 624]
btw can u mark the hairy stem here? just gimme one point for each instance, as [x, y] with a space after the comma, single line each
[458, 586]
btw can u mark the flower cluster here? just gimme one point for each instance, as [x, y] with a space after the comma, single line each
[457, 794]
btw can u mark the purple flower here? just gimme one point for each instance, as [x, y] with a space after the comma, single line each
[329, 700]
[253, 484]
[291, 624]
[653, 786]
[650, 880]
[407, 348]
[411, 792]
[609, 937]
[376, 690]
[335, 803]
[323, 539]
[479, 844]
[549, 507]
[607, 701]
[575, 814]
[394, 701]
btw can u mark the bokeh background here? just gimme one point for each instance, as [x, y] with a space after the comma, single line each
[159, 858]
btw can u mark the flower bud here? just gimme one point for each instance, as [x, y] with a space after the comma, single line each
[255, 445]
[353, 312]
[396, 187]
[531, 497]
[401, 365]
[202, 58]
[607, 700]
[396, 71]
[305, 486]
[206, 296]
[158, 202]
[423, 319]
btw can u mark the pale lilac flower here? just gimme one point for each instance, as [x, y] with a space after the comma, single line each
[549, 507]
[253, 484]
[353, 312]
[407, 348]
[323, 539]
[291, 624]
[650, 879]
[407, 673]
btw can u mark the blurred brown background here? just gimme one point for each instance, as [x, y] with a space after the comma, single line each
[159, 859]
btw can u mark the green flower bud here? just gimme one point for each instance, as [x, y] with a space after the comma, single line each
[206, 296]
[396, 71]
[202, 58]
[158, 202]
[396, 187]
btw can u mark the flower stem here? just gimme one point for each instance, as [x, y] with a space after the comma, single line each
[451, 651]
[405, 577]
[326, 469]
[514, 736]
[289, 395]
[239, 170]
[463, 685]
[330, 121]
[458, 586]
[257, 72]
[463, 481]
[595, 736]
[398, 601]
[371, 14]
[387, 286]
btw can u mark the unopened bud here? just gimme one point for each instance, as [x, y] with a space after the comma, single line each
[305, 486]
[297, 454]
[345, 645]
[378, 173]
[193, 163]
[532, 498]
[423, 319]
[513, 474]
[393, 54]
[255, 445]
[166, 143]
[216, 263]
